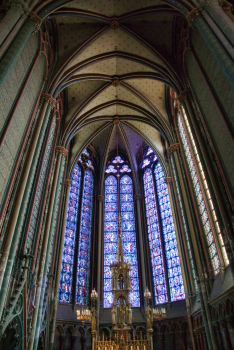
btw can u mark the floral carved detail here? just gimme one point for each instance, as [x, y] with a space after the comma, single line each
[192, 16]
[173, 148]
[114, 24]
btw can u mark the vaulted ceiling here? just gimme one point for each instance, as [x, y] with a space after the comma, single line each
[115, 59]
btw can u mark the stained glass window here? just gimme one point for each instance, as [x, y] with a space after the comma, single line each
[118, 159]
[89, 164]
[83, 266]
[111, 169]
[185, 228]
[86, 152]
[65, 287]
[155, 243]
[149, 151]
[129, 236]
[200, 167]
[200, 199]
[113, 200]
[110, 235]
[125, 169]
[145, 162]
[171, 250]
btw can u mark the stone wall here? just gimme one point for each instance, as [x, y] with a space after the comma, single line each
[212, 114]
[8, 98]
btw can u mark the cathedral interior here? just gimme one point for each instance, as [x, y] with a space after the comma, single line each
[116, 175]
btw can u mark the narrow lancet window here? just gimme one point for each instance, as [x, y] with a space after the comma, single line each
[119, 198]
[165, 261]
[65, 288]
[202, 203]
[83, 266]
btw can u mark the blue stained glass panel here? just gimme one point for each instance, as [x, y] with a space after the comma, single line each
[172, 254]
[118, 159]
[83, 265]
[65, 286]
[110, 235]
[155, 244]
[201, 202]
[129, 236]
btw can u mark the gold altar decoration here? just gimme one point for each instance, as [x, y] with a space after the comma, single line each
[121, 309]
[120, 343]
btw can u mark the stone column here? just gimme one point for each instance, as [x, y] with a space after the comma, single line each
[44, 255]
[68, 183]
[62, 338]
[222, 19]
[83, 341]
[230, 324]
[138, 199]
[73, 341]
[161, 341]
[10, 58]
[172, 337]
[218, 335]
[197, 341]
[15, 11]
[227, 339]
[100, 199]
[182, 337]
[204, 340]
[201, 340]
[13, 232]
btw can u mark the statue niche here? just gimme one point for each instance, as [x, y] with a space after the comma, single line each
[121, 282]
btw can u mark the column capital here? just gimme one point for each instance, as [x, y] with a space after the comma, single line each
[226, 6]
[192, 16]
[168, 180]
[35, 20]
[100, 198]
[173, 148]
[183, 95]
[74, 337]
[137, 197]
[48, 98]
[223, 324]
[62, 150]
[68, 182]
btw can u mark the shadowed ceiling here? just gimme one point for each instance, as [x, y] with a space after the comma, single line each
[115, 59]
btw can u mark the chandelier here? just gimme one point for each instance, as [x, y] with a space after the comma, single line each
[83, 315]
